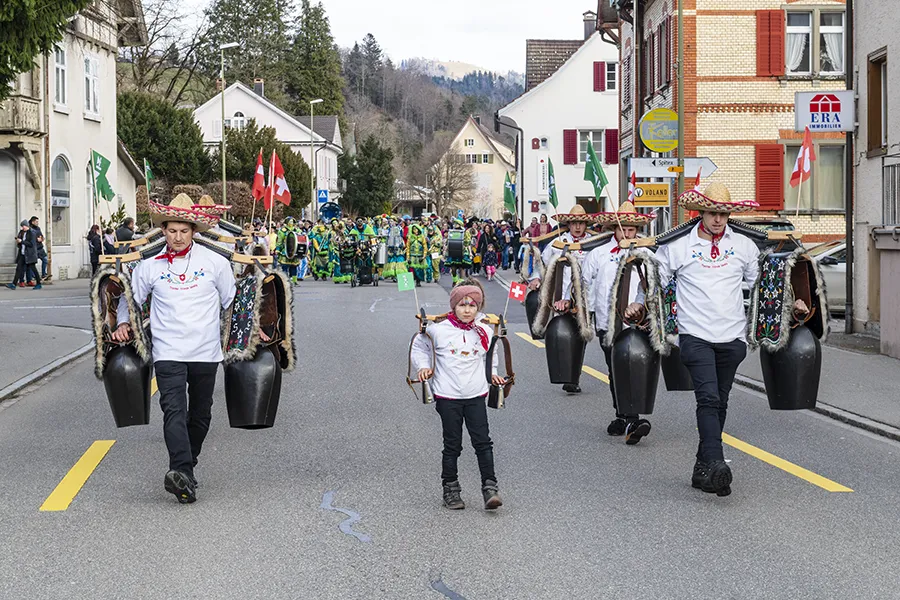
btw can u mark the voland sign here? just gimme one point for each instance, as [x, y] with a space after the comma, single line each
[648, 195]
[825, 111]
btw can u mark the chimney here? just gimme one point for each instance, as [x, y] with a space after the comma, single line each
[590, 23]
[259, 87]
[477, 119]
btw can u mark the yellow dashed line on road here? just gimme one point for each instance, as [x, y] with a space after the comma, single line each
[153, 386]
[758, 453]
[71, 484]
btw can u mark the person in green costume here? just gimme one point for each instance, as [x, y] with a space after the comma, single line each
[336, 248]
[435, 252]
[416, 252]
[396, 248]
[461, 264]
[321, 247]
[289, 263]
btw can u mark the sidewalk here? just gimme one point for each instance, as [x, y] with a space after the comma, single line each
[32, 351]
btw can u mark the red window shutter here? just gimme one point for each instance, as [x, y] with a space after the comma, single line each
[611, 148]
[763, 43]
[661, 53]
[776, 42]
[570, 146]
[770, 176]
[599, 76]
[651, 65]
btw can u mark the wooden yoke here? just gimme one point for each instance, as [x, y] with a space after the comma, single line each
[553, 234]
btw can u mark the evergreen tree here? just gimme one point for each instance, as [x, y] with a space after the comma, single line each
[370, 180]
[373, 86]
[27, 29]
[166, 136]
[315, 64]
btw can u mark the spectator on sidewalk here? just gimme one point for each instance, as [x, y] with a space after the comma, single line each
[26, 256]
[109, 241]
[517, 244]
[41, 251]
[125, 233]
[95, 246]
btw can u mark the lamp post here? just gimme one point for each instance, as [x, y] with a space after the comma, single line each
[222, 49]
[312, 159]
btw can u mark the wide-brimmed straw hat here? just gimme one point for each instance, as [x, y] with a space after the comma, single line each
[578, 215]
[207, 204]
[626, 215]
[182, 209]
[715, 198]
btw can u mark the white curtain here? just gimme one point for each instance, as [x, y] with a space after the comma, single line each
[834, 49]
[796, 45]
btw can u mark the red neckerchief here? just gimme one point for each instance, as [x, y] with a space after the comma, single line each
[171, 256]
[615, 249]
[714, 253]
[469, 327]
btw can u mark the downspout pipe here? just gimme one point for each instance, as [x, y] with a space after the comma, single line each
[849, 70]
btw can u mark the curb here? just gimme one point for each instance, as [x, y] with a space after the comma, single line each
[24, 382]
[832, 412]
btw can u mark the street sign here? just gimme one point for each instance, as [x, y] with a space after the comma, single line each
[652, 194]
[460, 214]
[659, 167]
[824, 111]
[322, 196]
[659, 130]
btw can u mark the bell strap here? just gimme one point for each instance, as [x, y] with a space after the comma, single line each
[409, 380]
[507, 356]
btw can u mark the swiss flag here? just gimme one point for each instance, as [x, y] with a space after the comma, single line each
[278, 187]
[259, 180]
[803, 166]
[632, 185]
[517, 291]
[697, 181]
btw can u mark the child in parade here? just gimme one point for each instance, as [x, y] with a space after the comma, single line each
[460, 345]
[490, 262]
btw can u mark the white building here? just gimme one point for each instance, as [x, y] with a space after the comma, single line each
[243, 104]
[570, 101]
[49, 126]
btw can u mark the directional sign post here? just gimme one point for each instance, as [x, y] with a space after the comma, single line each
[660, 167]
[648, 195]
[322, 195]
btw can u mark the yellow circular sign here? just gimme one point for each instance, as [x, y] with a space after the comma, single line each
[659, 130]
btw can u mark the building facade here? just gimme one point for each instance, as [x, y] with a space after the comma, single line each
[570, 101]
[58, 112]
[743, 64]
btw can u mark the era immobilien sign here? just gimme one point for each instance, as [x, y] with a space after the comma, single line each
[824, 111]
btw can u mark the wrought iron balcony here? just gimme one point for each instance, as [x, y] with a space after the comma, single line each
[21, 115]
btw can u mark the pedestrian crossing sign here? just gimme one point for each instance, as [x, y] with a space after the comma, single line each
[322, 196]
[405, 281]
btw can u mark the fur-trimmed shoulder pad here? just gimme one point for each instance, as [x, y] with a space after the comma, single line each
[632, 259]
[548, 291]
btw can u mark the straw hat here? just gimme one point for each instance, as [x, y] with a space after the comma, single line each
[715, 198]
[576, 216]
[626, 215]
[208, 205]
[182, 209]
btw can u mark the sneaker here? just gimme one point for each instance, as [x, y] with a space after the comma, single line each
[29, 284]
[572, 388]
[452, 498]
[616, 427]
[21, 284]
[491, 495]
[37, 287]
[11, 286]
[181, 485]
[635, 430]
[718, 478]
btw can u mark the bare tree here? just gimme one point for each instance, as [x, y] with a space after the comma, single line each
[482, 204]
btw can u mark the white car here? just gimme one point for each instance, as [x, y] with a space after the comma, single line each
[832, 259]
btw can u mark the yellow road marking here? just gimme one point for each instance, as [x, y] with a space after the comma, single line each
[795, 470]
[153, 387]
[71, 484]
[766, 457]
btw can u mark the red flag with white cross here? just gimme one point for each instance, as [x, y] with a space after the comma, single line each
[280, 191]
[259, 180]
[517, 291]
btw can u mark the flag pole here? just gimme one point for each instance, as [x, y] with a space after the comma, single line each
[98, 220]
[271, 192]
[800, 186]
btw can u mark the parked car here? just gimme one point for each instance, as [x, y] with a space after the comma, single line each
[832, 259]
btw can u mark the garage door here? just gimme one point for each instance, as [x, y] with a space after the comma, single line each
[8, 213]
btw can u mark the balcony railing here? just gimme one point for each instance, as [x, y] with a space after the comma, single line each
[20, 114]
[890, 200]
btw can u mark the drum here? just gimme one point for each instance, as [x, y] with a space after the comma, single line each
[381, 254]
[127, 381]
[635, 369]
[252, 391]
[455, 241]
[565, 349]
[290, 245]
[792, 373]
[302, 246]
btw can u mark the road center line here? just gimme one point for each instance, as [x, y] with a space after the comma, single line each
[758, 453]
[153, 387]
[71, 484]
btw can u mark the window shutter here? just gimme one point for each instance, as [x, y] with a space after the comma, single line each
[217, 128]
[770, 176]
[660, 53]
[770, 36]
[599, 76]
[570, 146]
[668, 77]
[651, 65]
[611, 149]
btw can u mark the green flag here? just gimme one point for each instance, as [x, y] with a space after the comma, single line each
[509, 197]
[405, 281]
[593, 172]
[102, 188]
[554, 199]
[148, 176]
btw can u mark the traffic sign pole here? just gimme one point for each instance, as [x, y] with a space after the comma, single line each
[680, 215]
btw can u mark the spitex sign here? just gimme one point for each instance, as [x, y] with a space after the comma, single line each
[825, 111]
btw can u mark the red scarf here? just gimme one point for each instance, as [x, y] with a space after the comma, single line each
[170, 255]
[469, 327]
[714, 253]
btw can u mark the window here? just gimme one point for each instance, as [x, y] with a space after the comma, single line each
[831, 43]
[611, 71]
[471, 159]
[590, 137]
[876, 74]
[60, 74]
[60, 184]
[238, 122]
[217, 129]
[825, 189]
[487, 158]
[797, 49]
[92, 86]
[814, 43]
[470, 142]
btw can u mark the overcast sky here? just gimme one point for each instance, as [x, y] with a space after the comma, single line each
[486, 33]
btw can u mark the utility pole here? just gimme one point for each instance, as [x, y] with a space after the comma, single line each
[680, 215]
[222, 49]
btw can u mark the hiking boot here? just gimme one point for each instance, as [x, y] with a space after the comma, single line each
[718, 478]
[572, 388]
[491, 495]
[635, 430]
[616, 427]
[452, 498]
[181, 485]
[699, 474]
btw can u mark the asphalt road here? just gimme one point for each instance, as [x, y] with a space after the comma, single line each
[584, 516]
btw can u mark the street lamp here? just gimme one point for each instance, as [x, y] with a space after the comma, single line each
[222, 49]
[312, 164]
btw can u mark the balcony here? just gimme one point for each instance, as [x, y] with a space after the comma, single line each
[21, 115]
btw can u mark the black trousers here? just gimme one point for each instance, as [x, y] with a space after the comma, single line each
[713, 367]
[607, 354]
[185, 425]
[25, 271]
[472, 412]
